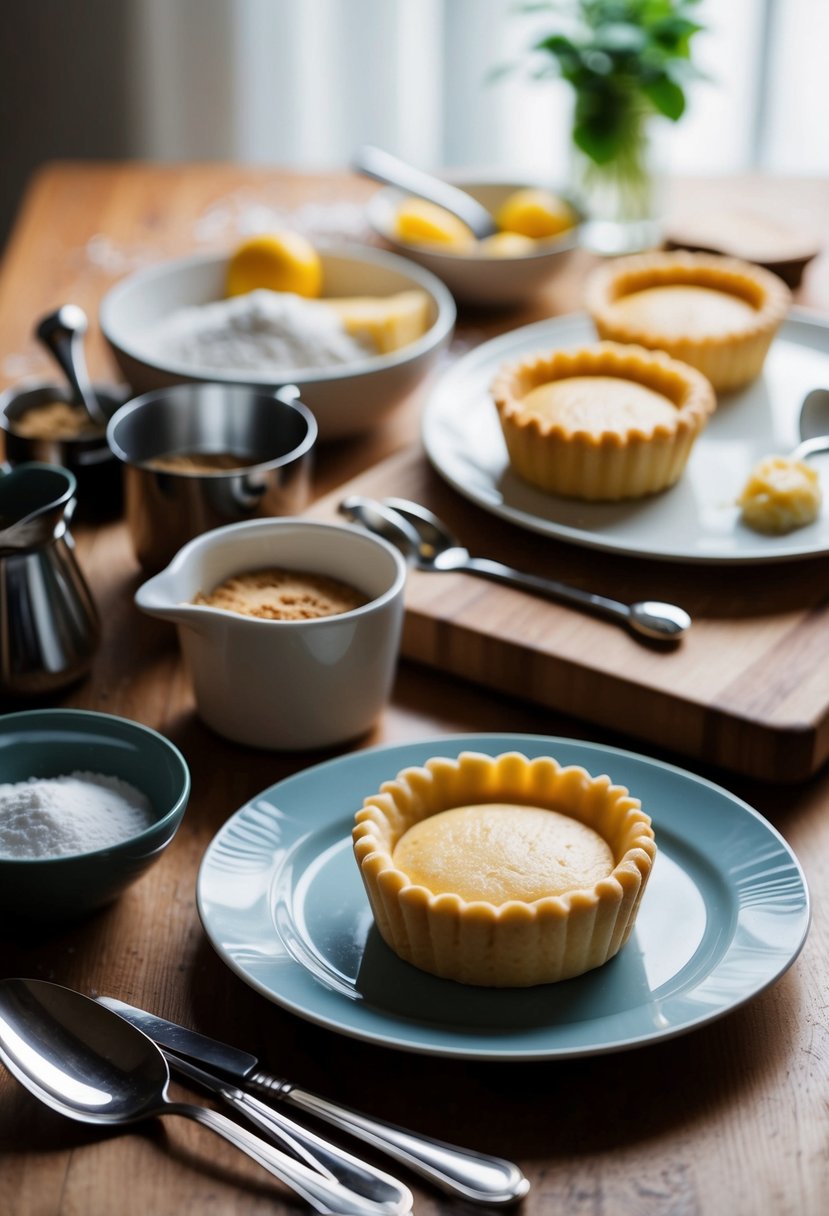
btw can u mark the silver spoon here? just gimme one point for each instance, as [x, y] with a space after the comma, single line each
[82, 1060]
[814, 424]
[429, 545]
[62, 332]
[463, 1173]
[383, 167]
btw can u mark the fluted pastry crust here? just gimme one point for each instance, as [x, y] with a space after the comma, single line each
[730, 355]
[517, 943]
[620, 459]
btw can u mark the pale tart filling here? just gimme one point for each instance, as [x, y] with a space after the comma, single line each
[598, 404]
[503, 871]
[602, 422]
[717, 314]
[499, 852]
[684, 311]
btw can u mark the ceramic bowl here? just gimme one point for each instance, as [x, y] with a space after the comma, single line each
[277, 684]
[56, 742]
[475, 278]
[346, 400]
[273, 435]
[88, 458]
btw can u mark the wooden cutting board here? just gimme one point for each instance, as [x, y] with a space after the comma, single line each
[747, 689]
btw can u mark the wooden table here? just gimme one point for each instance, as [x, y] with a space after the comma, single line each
[730, 1119]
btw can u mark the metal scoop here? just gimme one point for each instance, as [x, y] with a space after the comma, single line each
[429, 545]
[61, 332]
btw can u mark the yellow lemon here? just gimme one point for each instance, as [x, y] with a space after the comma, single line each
[507, 245]
[282, 261]
[388, 322]
[418, 222]
[539, 214]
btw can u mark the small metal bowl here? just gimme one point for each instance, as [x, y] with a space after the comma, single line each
[272, 433]
[88, 458]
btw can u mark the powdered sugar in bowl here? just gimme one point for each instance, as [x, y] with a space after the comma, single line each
[87, 802]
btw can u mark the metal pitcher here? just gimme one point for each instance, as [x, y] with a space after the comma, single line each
[49, 627]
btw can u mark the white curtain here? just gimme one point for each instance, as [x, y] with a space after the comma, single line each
[300, 83]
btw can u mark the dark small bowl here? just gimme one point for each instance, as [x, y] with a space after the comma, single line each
[272, 433]
[89, 458]
[55, 742]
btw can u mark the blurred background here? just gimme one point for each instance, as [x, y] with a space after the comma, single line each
[299, 83]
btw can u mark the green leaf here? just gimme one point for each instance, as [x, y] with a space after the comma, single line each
[619, 57]
[556, 45]
[674, 35]
[666, 96]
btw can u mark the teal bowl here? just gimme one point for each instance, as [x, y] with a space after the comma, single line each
[45, 743]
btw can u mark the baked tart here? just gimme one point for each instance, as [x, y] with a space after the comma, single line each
[718, 314]
[601, 422]
[502, 871]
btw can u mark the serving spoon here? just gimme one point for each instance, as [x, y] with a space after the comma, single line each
[429, 545]
[61, 332]
[383, 167]
[87, 1063]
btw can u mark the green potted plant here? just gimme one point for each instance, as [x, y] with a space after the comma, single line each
[627, 62]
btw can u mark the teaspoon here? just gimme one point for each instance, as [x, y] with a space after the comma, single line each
[429, 545]
[87, 1063]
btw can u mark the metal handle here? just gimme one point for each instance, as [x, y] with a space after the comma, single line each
[389, 1195]
[323, 1194]
[61, 332]
[383, 167]
[457, 1171]
[810, 447]
[549, 587]
[658, 621]
[650, 619]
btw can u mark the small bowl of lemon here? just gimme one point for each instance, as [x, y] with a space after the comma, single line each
[537, 230]
[357, 329]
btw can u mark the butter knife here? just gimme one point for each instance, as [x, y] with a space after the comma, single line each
[477, 1177]
[389, 1197]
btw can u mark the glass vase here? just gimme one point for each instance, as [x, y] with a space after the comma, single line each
[620, 198]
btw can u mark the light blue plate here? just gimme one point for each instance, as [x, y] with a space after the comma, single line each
[724, 915]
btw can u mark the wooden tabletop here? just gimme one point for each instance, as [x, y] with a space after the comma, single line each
[729, 1119]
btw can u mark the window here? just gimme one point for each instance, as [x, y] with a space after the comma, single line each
[301, 82]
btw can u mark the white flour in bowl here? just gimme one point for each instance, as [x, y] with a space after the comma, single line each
[263, 331]
[79, 813]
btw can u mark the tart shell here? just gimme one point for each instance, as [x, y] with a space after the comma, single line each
[730, 359]
[516, 944]
[614, 464]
